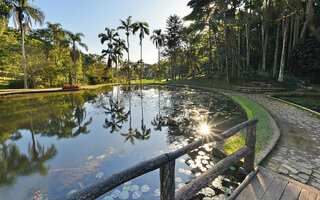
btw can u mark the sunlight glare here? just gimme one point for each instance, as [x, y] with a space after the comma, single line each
[204, 129]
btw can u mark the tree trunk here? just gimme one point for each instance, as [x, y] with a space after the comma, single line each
[239, 52]
[159, 57]
[23, 58]
[75, 63]
[290, 40]
[284, 48]
[296, 30]
[308, 18]
[210, 45]
[248, 46]
[70, 76]
[264, 45]
[275, 60]
[129, 73]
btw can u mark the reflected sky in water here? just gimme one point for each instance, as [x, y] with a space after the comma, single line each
[55, 144]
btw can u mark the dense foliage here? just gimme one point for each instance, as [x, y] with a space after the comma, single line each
[233, 40]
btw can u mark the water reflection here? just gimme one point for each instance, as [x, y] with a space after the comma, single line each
[58, 143]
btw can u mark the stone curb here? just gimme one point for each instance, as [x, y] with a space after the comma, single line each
[276, 134]
[294, 105]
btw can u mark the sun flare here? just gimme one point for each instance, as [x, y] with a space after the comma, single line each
[204, 129]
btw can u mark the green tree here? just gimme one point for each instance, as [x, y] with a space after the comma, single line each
[158, 39]
[23, 13]
[128, 26]
[143, 28]
[74, 40]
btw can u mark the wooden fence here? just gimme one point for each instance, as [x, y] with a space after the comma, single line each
[166, 163]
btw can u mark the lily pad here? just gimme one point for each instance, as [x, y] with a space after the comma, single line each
[72, 192]
[108, 198]
[178, 180]
[145, 188]
[115, 193]
[126, 188]
[99, 175]
[136, 195]
[134, 188]
[180, 185]
[124, 195]
[127, 183]
[157, 192]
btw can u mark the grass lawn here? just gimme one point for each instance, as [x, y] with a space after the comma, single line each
[264, 128]
[311, 102]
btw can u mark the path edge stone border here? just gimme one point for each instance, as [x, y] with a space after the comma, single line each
[295, 105]
[276, 133]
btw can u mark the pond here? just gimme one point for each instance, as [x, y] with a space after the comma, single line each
[54, 144]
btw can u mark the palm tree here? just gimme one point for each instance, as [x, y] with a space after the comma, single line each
[158, 39]
[120, 45]
[110, 36]
[75, 39]
[143, 28]
[113, 53]
[23, 13]
[128, 26]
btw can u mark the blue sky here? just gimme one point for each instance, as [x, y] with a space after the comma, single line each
[92, 16]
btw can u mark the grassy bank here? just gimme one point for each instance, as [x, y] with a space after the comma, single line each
[264, 128]
[311, 102]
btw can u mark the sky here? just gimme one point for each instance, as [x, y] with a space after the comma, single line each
[92, 16]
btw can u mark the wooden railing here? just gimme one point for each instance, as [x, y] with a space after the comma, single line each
[166, 163]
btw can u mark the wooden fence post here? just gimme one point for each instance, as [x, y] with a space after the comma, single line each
[250, 142]
[167, 184]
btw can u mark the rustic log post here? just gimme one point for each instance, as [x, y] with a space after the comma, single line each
[250, 142]
[167, 184]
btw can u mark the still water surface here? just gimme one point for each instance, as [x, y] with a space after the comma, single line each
[54, 144]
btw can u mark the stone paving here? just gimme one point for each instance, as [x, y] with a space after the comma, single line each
[297, 154]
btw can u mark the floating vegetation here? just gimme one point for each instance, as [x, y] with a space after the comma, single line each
[157, 192]
[134, 188]
[178, 180]
[115, 193]
[72, 192]
[99, 175]
[145, 188]
[101, 157]
[136, 195]
[180, 185]
[124, 195]
[89, 157]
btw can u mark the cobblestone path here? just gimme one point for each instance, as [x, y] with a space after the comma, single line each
[298, 152]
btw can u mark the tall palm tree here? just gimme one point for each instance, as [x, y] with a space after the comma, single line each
[158, 39]
[23, 13]
[75, 39]
[128, 26]
[112, 53]
[120, 45]
[143, 28]
[110, 36]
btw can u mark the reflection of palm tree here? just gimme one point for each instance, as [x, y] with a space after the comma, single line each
[117, 115]
[130, 135]
[80, 115]
[38, 154]
[158, 121]
[145, 133]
